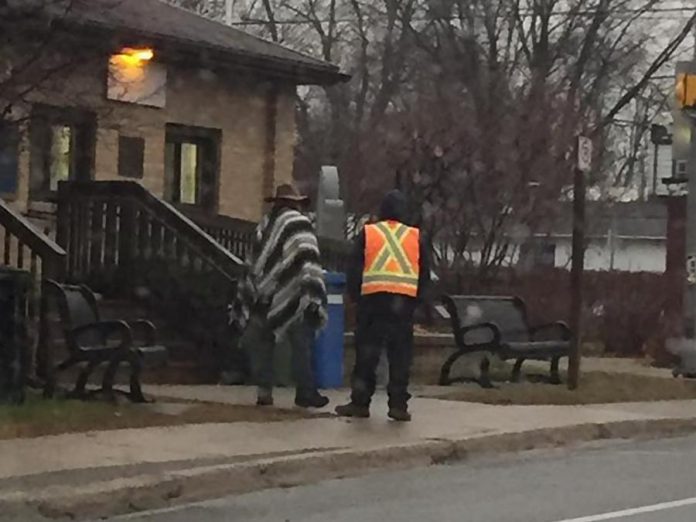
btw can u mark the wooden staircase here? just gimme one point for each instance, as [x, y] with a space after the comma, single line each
[147, 260]
[24, 247]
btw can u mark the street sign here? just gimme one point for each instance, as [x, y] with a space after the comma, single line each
[584, 153]
[691, 270]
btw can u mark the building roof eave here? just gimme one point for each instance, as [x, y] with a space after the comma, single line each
[184, 30]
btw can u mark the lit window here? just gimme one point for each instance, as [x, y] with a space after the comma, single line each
[62, 148]
[191, 165]
[60, 154]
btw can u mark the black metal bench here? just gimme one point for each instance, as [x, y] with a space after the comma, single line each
[499, 325]
[91, 341]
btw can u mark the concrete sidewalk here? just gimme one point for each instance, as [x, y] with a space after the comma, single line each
[140, 468]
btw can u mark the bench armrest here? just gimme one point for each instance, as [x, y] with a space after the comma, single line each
[106, 329]
[560, 329]
[145, 330]
[491, 329]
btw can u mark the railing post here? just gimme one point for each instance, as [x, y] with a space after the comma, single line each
[43, 357]
[126, 240]
[53, 268]
[62, 217]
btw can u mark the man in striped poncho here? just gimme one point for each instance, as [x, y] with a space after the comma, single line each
[289, 294]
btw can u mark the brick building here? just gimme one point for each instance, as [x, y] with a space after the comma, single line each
[200, 113]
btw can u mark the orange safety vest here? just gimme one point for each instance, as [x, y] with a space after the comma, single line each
[392, 259]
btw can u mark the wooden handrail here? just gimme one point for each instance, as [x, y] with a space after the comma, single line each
[238, 235]
[16, 225]
[52, 266]
[220, 221]
[224, 243]
[185, 228]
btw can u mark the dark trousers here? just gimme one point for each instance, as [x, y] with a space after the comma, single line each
[300, 338]
[374, 333]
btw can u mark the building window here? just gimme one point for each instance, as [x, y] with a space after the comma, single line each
[537, 253]
[192, 165]
[62, 148]
[131, 157]
[545, 255]
[9, 149]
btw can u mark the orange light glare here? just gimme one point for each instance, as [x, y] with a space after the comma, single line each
[134, 57]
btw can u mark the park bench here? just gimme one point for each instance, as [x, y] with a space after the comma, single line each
[500, 326]
[91, 341]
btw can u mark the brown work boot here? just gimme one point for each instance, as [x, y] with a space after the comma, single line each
[399, 414]
[353, 410]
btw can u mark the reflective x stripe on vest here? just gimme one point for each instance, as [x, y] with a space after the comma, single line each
[391, 259]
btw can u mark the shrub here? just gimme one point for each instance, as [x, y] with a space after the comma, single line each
[627, 313]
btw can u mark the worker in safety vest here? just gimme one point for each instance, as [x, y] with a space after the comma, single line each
[387, 277]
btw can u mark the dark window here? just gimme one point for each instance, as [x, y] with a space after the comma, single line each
[537, 253]
[545, 255]
[9, 149]
[62, 148]
[131, 157]
[192, 165]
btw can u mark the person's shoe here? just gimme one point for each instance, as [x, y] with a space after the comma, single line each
[353, 410]
[399, 414]
[264, 397]
[264, 401]
[315, 400]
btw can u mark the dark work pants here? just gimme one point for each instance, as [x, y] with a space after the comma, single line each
[373, 333]
[300, 337]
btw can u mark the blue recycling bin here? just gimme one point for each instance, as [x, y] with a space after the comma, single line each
[328, 351]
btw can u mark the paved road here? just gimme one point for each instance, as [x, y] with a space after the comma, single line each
[626, 482]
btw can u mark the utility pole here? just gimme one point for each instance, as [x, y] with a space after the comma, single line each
[690, 297]
[583, 166]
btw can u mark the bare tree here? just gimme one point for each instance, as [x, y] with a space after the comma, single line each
[474, 105]
[526, 77]
[370, 40]
[37, 53]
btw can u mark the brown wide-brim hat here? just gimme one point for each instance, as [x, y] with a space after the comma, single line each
[287, 192]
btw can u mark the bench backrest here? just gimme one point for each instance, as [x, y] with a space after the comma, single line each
[509, 314]
[77, 307]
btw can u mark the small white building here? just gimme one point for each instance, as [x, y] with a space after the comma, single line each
[629, 237]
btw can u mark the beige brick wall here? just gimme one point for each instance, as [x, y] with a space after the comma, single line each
[22, 195]
[234, 103]
[127, 122]
[239, 111]
[285, 136]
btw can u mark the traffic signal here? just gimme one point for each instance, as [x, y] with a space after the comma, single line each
[686, 91]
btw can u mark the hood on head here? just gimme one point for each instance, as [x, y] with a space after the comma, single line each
[393, 206]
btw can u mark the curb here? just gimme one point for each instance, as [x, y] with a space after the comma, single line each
[147, 492]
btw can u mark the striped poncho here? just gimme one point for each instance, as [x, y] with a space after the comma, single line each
[286, 274]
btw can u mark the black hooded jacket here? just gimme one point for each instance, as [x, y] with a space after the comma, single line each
[393, 208]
